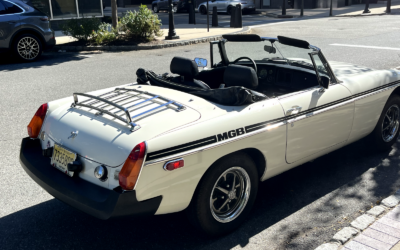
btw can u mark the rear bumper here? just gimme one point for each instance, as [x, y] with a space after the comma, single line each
[85, 196]
[50, 40]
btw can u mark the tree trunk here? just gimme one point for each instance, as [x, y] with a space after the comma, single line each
[114, 13]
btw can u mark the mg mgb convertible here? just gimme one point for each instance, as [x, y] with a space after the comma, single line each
[201, 139]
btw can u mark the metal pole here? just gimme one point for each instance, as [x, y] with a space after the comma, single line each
[330, 10]
[208, 19]
[194, 11]
[388, 6]
[366, 10]
[171, 32]
[302, 8]
[284, 8]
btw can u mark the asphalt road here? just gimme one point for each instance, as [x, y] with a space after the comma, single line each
[299, 209]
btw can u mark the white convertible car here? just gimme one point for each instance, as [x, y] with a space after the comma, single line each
[202, 140]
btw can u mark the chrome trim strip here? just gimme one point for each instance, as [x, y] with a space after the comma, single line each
[271, 126]
[165, 165]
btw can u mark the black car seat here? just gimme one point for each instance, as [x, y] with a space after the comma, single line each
[187, 71]
[237, 75]
[213, 77]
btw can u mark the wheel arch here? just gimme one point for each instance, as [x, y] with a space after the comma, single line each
[256, 155]
[396, 91]
[27, 31]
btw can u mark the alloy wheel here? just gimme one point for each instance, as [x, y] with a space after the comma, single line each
[230, 194]
[390, 123]
[28, 48]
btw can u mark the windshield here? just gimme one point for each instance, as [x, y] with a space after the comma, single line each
[269, 52]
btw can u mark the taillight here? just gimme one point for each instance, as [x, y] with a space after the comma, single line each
[131, 169]
[44, 18]
[37, 121]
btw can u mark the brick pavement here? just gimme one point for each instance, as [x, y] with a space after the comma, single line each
[383, 234]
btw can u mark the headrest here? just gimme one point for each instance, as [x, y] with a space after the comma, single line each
[237, 75]
[184, 67]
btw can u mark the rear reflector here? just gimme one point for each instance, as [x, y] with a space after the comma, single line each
[172, 165]
[131, 169]
[37, 121]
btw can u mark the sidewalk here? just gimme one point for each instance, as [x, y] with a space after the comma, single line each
[353, 10]
[122, 11]
[382, 234]
[184, 31]
[377, 229]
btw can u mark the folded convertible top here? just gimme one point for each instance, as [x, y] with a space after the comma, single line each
[231, 96]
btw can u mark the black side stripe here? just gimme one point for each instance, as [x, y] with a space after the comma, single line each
[254, 127]
[182, 148]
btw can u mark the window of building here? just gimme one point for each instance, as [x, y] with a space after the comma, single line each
[89, 8]
[64, 8]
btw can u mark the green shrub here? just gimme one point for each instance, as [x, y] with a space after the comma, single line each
[105, 34]
[81, 29]
[142, 24]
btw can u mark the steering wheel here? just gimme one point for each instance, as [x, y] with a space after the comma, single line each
[248, 58]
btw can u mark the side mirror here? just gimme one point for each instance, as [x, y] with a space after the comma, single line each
[325, 81]
[201, 62]
[269, 49]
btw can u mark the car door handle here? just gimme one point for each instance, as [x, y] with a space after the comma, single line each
[294, 110]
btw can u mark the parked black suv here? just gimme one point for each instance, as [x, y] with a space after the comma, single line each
[24, 30]
[179, 5]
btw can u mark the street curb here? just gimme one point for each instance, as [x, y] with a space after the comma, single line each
[63, 48]
[365, 15]
[361, 223]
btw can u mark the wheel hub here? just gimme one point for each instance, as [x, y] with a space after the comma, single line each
[230, 194]
[390, 123]
[28, 48]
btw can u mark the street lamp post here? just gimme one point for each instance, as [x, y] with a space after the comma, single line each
[284, 8]
[388, 6]
[330, 10]
[366, 10]
[171, 32]
[302, 8]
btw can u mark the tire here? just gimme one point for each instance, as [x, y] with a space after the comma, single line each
[27, 47]
[203, 10]
[387, 129]
[209, 209]
[155, 9]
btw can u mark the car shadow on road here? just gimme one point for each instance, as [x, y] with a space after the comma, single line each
[52, 224]
[8, 62]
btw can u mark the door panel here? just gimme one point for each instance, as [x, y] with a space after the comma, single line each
[317, 120]
[8, 24]
[222, 5]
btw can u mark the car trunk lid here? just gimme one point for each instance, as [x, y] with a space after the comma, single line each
[106, 139]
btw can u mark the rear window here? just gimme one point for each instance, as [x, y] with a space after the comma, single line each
[2, 9]
[11, 8]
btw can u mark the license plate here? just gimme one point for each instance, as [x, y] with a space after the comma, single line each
[61, 157]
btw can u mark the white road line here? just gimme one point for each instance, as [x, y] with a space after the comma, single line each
[363, 46]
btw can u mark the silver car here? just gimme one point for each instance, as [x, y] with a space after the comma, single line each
[226, 5]
[24, 30]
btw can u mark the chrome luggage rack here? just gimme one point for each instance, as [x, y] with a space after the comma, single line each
[116, 99]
